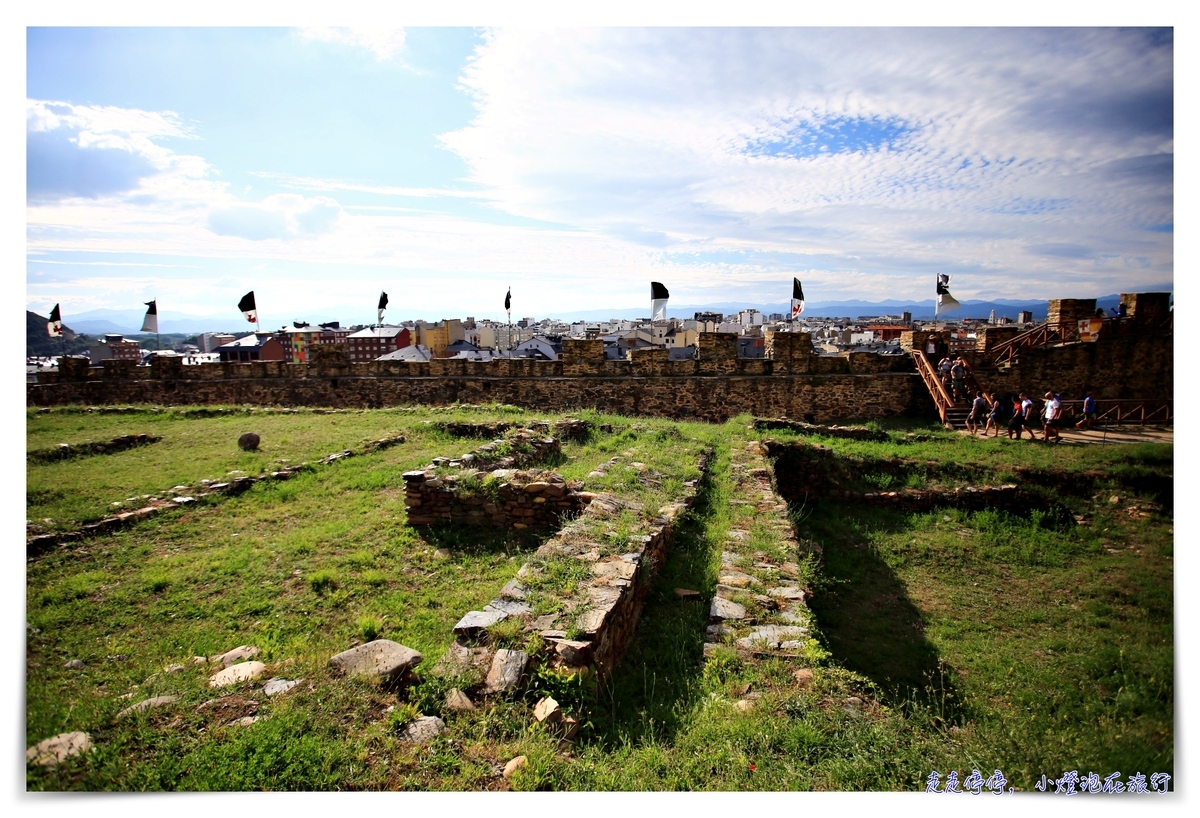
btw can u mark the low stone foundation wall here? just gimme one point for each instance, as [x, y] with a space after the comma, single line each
[809, 472]
[65, 451]
[462, 428]
[759, 605]
[1006, 497]
[566, 429]
[503, 498]
[593, 616]
[850, 432]
[39, 541]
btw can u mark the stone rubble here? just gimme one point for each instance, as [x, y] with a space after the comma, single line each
[57, 749]
[147, 704]
[422, 730]
[242, 672]
[381, 658]
[241, 653]
[278, 685]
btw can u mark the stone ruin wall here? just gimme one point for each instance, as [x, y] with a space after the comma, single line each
[790, 382]
[716, 386]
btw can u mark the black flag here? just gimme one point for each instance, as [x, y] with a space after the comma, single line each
[508, 300]
[797, 298]
[54, 325]
[658, 301]
[382, 306]
[150, 323]
[246, 305]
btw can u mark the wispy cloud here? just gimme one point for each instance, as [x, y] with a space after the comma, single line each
[308, 183]
[384, 43]
[1028, 163]
[859, 145]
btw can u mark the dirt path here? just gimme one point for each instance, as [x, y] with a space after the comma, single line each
[1114, 434]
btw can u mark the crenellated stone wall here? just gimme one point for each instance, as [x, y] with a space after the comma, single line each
[790, 382]
[715, 386]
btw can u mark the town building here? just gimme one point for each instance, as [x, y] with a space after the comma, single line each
[259, 346]
[209, 341]
[413, 353]
[370, 343]
[114, 347]
[299, 339]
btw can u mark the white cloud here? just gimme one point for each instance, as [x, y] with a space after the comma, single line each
[1014, 160]
[659, 133]
[384, 43]
[281, 216]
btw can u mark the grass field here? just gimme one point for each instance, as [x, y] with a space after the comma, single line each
[1031, 644]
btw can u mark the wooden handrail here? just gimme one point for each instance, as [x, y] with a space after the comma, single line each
[1065, 332]
[933, 383]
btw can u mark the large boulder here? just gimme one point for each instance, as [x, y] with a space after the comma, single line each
[382, 658]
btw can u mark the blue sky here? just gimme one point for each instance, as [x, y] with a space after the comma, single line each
[443, 165]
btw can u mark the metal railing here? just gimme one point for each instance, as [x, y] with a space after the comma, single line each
[1125, 411]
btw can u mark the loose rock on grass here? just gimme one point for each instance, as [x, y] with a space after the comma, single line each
[56, 749]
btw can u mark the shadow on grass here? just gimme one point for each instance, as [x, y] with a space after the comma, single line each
[870, 624]
[476, 540]
[651, 691]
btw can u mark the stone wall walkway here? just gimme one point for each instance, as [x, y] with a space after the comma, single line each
[759, 606]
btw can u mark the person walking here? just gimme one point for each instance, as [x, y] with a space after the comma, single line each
[944, 368]
[993, 418]
[1027, 415]
[1089, 413]
[1050, 415]
[958, 375]
[978, 409]
[1018, 418]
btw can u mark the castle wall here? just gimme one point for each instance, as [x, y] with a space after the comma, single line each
[716, 398]
[792, 382]
[1139, 367]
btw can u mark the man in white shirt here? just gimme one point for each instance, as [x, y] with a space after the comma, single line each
[1050, 414]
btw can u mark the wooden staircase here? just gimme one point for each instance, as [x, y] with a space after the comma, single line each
[952, 413]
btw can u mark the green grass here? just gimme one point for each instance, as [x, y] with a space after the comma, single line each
[984, 640]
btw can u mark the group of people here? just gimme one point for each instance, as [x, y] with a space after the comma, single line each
[953, 373]
[1019, 416]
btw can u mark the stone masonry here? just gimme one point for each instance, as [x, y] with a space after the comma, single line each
[591, 622]
[717, 385]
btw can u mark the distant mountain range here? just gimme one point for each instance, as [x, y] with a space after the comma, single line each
[851, 309]
[129, 322]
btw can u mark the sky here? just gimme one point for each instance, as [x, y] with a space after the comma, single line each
[321, 166]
